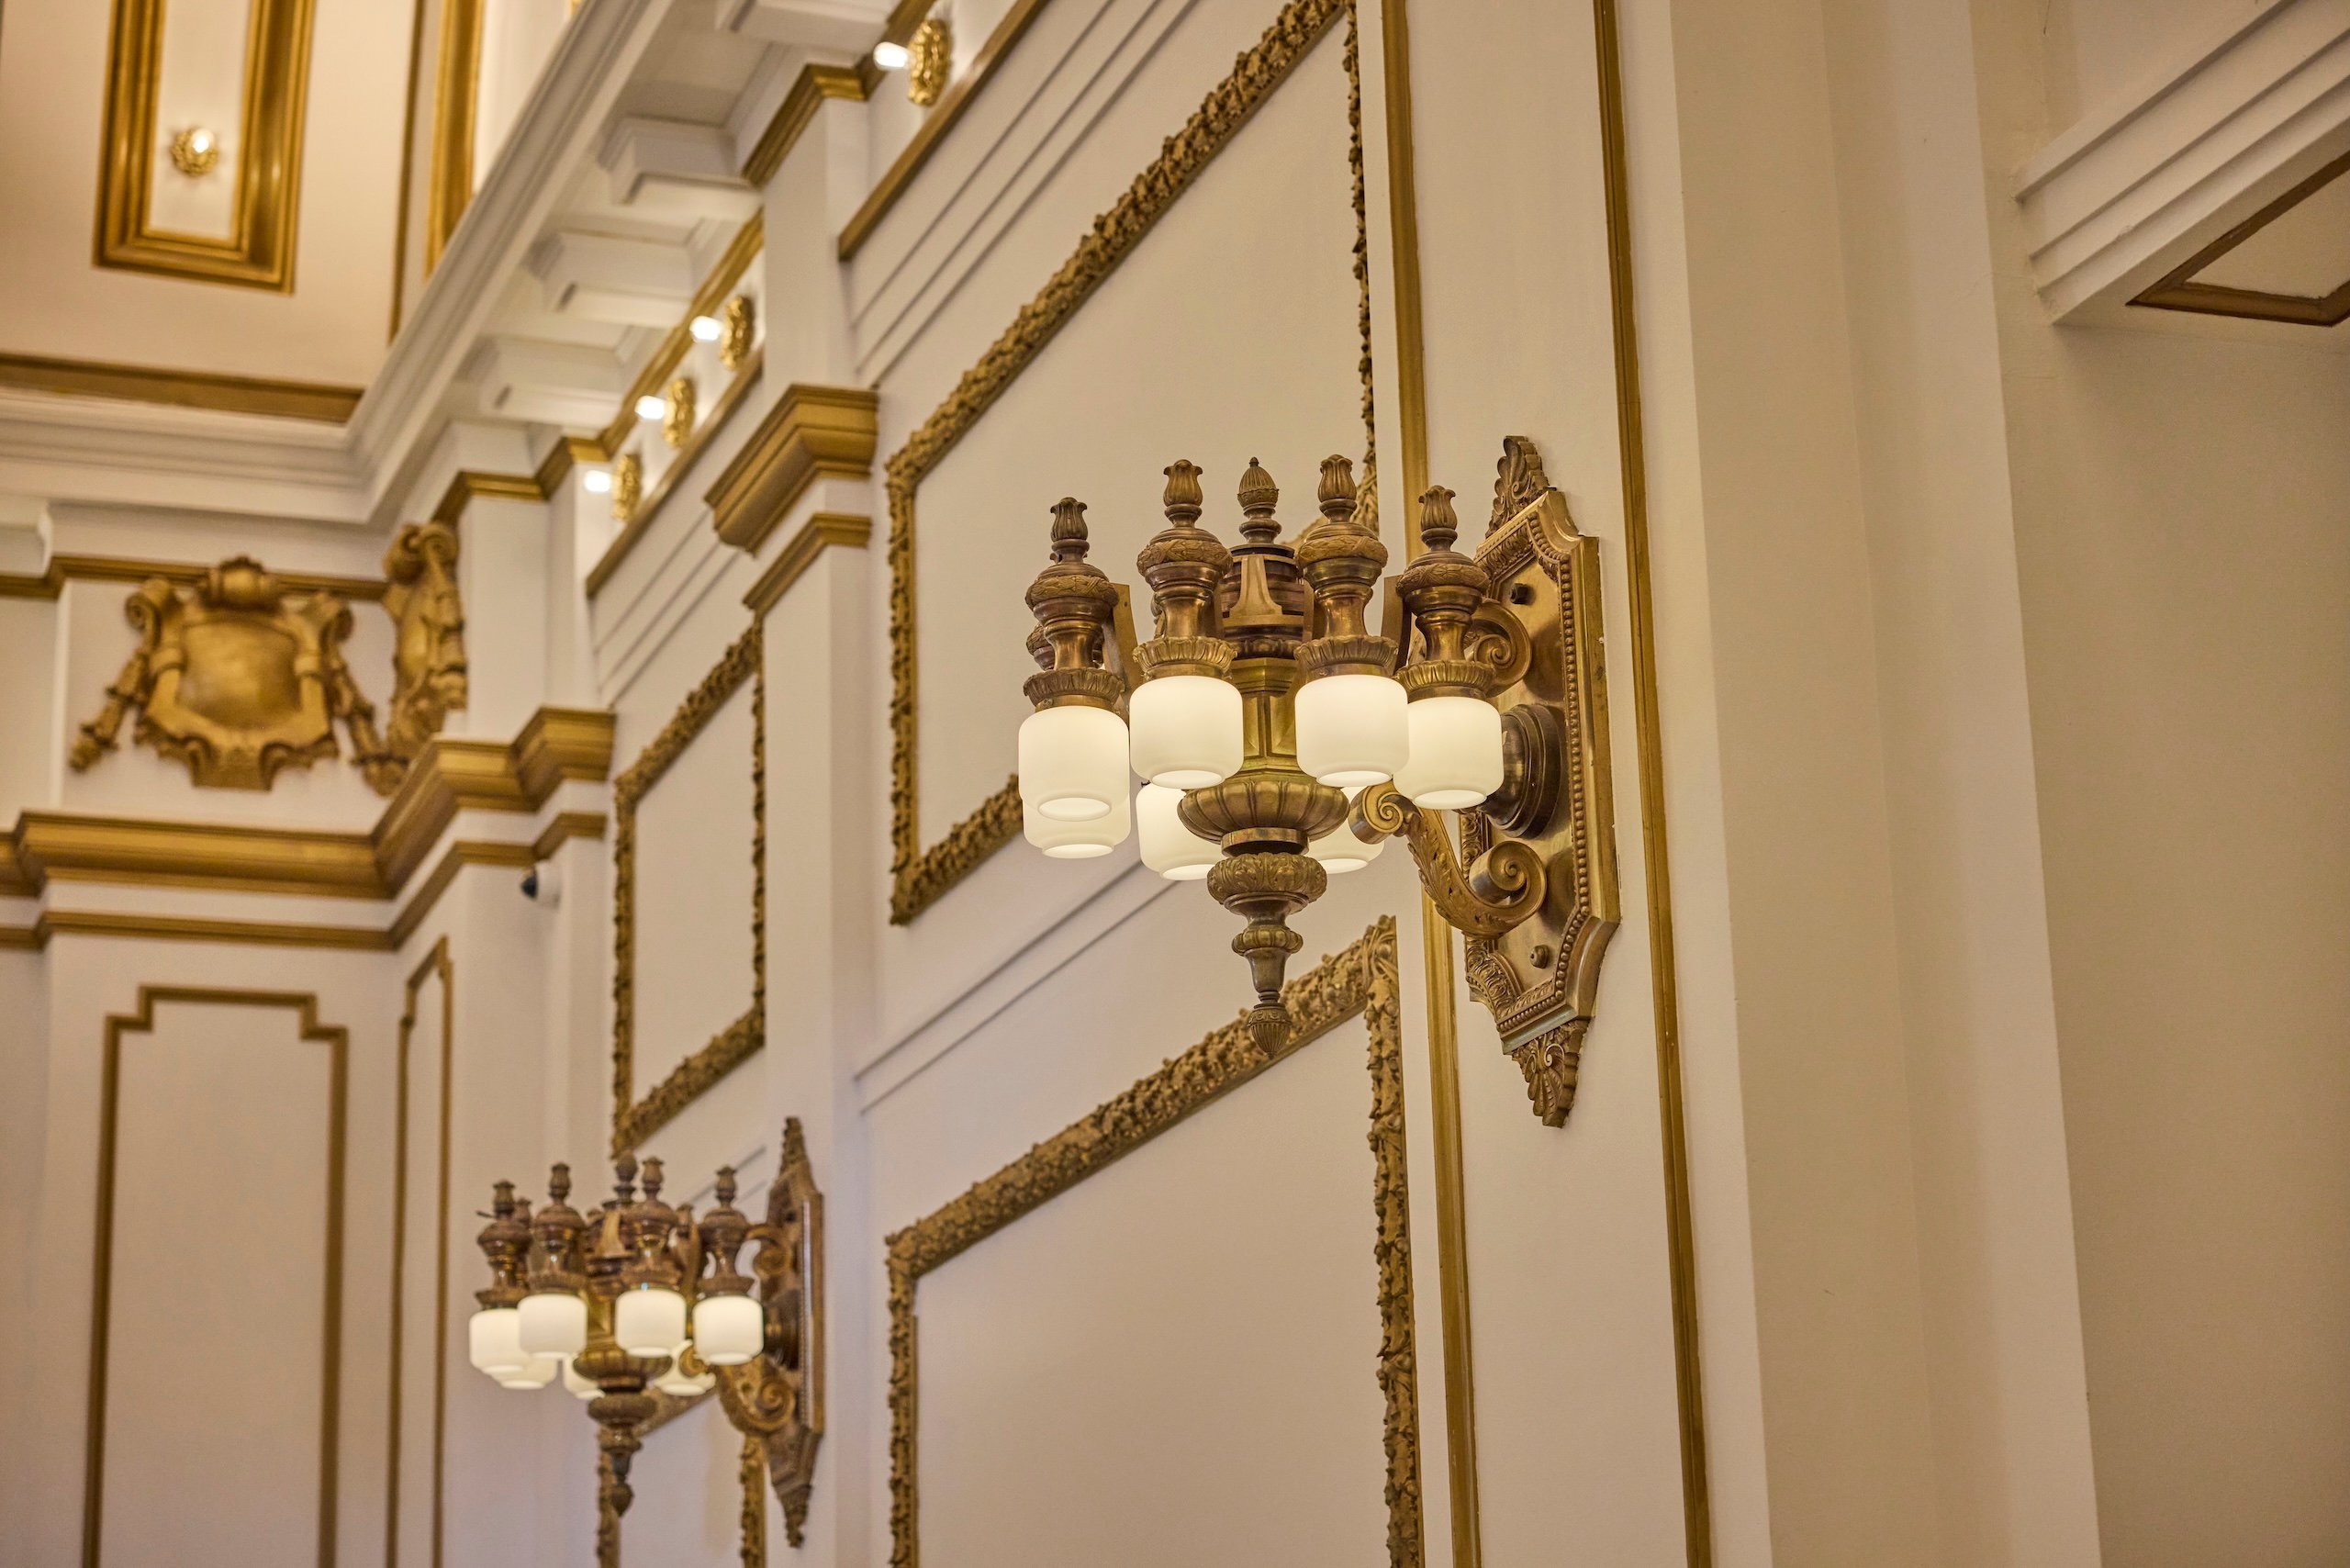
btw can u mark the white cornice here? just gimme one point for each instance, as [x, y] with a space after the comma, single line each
[2118, 199]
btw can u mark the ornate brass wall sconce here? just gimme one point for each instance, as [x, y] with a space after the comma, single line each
[235, 678]
[1281, 740]
[637, 1297]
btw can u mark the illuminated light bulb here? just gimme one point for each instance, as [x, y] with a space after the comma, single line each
[1169, 848]
[598, 481]
[647, 1322]
[1078, 841]
[1456, 754]
[552, 1323]
[706, 329]
[200, 141]
[729, 1330]
[577, 1385]
[891, 56]
[1186, 730]
[651, 406]
[1351, 729]
[1341, 851]
[494, 1339]
[538, 1373]
[1072, 762]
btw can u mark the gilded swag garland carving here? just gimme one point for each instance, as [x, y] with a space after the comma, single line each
[1363, 979]
[633, 1119]
[918, 876]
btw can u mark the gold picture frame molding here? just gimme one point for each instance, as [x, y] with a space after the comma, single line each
[259, 252]
[1362, 980]
[304, 1004]
[920, 875]
[637, 1118]
[439, 965]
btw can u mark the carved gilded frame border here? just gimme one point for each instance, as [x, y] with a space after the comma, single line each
[1363, 979]
[337, 1039]
[920, 876]
[259, 253]
[635, 1119]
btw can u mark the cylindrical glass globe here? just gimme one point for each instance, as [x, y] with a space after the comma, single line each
[577, 1387]
[554, 1323]
[537, 1373]
[1456, 757]
[494, 1338]
[1080, 841]
[647, 1322]
[1339, 850]
[1186, 731]
[1169, 848]
[729, 1330]
[677, 1382]
[1072, 762]
[1351, 729]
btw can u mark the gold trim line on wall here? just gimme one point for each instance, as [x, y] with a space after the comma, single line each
[259, 250]
[919, 875]
[142, 1021]
[179, 388]
[2178, 290]
[449, 175]
[1363, 979]
[437, 965]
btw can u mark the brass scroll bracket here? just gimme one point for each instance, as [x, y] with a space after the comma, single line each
[1488, 898]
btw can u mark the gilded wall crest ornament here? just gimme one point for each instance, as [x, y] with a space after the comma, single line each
[429, 645]
[929, 60]
[237, 678]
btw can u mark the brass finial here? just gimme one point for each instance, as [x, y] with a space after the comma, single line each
[558, 1182]
[1439, 525]
[1258, 496]
[652, 1180]
[624, 1169]
[1069, 542]
[726, 1186]
[1336, 494]
[1183, 492]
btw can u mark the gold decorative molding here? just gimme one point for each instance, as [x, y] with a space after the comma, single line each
[932, 132]
[449, 181]
[776, 1399]
[236, 680]
[259, 249]
[929, 60]
[469, 485]
[437, 966]
[677, 411]
[179, 388]
[1363, 979]
[429, 642]
[811, 433]
[820, 532]
[61, 569]
[2178, 290]
[189, 928]
[453, 774]
[752, 1526]
[738, 324]
[634, 1117]
[920, 876]
[671, 351]
[814, 84]
[408, 167]
[337, 1039]
[637, 511]
[48, 846]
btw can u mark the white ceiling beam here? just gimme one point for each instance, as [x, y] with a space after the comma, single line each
[641, 283]
[670, 169]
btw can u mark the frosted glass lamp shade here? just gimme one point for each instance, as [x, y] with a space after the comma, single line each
[1339, 850]
[1082, 840]
[1186, 731]
[648, 1322]
[539, 1373]
[579, 1387]
[1456, 757]
[495, 1339]
[729, 1330]
[554, 1323]
[677, 1382]
[1169, 848]
[1351, 729]
[1072, 762]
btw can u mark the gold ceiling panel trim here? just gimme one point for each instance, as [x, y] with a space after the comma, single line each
[1361, 979]
[637, 1118]
[179, 388]
[2178, 290]
[810, 433]
[937, 121]
[815, 84]
[647, 508]
[61, 569]
[822, 532]
[337, 1040]
[437, 966]
[456, 93]
[920, 876]
[259, 252]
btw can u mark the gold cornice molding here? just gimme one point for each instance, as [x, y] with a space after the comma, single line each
[259, 250]
[939, 120]
[565, 455]
[557, 744]
[648, 508]
[469, 485]
[55, 846]
[187, 928]
[61, 569]
[452, 774]
[179, 388]
[811, 433]
[815, 84]
[819, 533]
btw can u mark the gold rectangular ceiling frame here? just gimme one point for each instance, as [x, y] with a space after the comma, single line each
[457, 95]
[259, 252]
